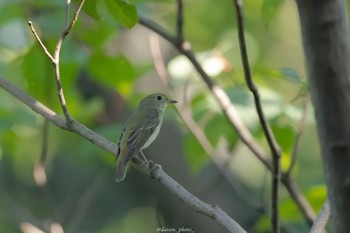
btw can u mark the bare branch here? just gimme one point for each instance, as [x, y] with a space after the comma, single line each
[55, 62]
[212, 211]
[55, 58]
[157, 29]
[179, 22]
[321, 221]
[67, 12]
[74, 20]
[274, 147]
[61, 93]
[40, 42]
[154, 171]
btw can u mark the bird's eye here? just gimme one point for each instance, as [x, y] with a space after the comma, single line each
[159, 97]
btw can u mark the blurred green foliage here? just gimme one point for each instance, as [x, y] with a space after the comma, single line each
[106, 67]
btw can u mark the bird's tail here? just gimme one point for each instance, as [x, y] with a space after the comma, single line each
[120, 173]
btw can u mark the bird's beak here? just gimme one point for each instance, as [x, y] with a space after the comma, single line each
[172, 101]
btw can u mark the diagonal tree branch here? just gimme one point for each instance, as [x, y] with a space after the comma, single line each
[154, 171]
[322, 219]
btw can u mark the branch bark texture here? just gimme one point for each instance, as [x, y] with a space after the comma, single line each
[326, 43]
[321, 221]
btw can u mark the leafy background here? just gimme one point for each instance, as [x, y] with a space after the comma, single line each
[106, 67]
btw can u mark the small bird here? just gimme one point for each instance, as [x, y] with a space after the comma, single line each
[140, 130]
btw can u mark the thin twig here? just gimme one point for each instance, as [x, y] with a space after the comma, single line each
[67, 12]
[179, 22]
[271, 140]
[146, 22]
[74, 20]
[67, 30]
[40, 42]
[55, 58]
[55, 62]
[212, 211]
[231, 114]
[298, 137]
[209, 210]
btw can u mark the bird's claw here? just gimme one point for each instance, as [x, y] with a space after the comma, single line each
[153, 167]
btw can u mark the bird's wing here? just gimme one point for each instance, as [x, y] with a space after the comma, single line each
[141, 132]
[119, 141]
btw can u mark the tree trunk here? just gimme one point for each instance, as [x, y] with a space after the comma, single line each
[326, 44]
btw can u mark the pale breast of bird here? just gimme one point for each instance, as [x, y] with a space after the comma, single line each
[153, 136]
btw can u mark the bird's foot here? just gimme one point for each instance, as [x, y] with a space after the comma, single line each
[153, 168]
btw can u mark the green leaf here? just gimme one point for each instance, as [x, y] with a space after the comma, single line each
[317, 195]
[263, 224]
[207, 114]
[123, 12]
[39, 74]
[116, 71]
[289, 211]
[218, 127]
[269, 9]
[97, 33]
[9, 142]
[91, 9]
[196, 156]
[284, 133]
[10, 11]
